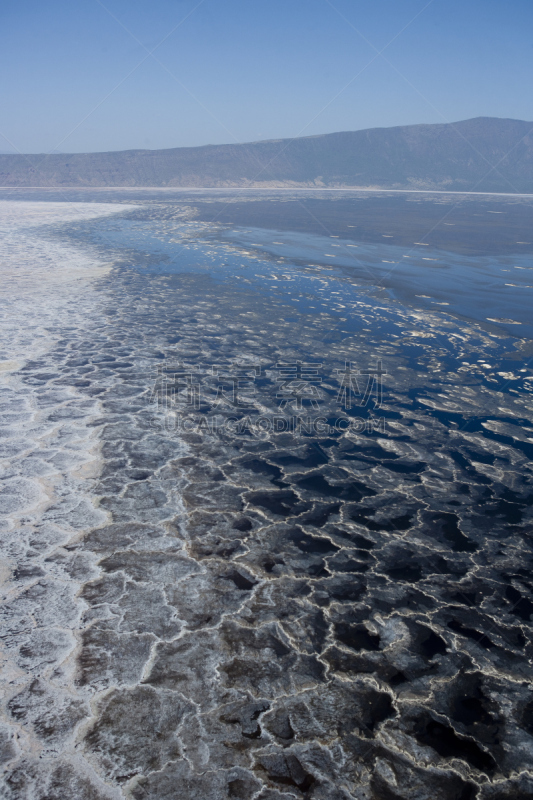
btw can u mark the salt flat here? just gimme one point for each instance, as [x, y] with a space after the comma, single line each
[197, 605]
[48, 456]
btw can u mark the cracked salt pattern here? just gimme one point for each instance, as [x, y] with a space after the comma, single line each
[228, 614]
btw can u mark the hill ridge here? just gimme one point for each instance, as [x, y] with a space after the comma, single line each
[481, 154]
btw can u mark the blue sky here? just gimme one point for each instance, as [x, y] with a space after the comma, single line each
[77, 76]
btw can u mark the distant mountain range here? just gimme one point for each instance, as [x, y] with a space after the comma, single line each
[482, 154]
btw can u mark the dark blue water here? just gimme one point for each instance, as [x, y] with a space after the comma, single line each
[349, 287]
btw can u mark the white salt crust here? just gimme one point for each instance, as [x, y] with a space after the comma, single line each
[48, 458]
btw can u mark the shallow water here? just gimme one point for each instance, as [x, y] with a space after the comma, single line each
[267, 506]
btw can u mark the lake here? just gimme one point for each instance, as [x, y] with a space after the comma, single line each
[267, 491]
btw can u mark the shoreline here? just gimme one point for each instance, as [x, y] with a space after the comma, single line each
[267, 189]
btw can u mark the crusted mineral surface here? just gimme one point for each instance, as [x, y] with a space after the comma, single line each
[196, 605]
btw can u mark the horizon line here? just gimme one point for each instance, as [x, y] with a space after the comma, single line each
[266, 189]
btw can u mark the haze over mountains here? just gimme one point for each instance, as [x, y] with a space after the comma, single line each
[481, 154]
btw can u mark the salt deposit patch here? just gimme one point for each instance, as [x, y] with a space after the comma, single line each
[48, 455]
[39, 275]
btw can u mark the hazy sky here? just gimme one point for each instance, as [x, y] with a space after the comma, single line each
[77, 75]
